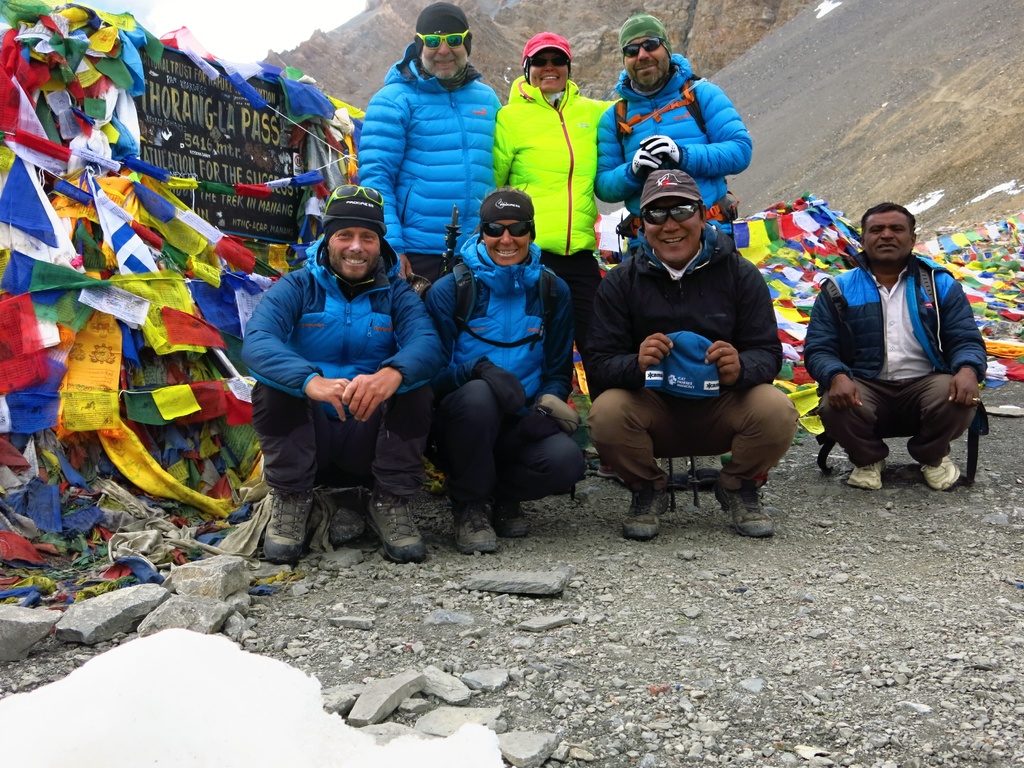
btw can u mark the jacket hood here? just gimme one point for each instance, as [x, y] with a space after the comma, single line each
[712, 250]
[501, 280]
[407, 71]
[524, 93]
[680, 70]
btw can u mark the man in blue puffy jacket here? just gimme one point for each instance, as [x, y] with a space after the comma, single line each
[342, 351]
[503, 426]
[661, 126]
[428, 140]
[896, 349]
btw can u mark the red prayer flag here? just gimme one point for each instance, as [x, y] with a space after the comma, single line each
[22, 357]
[183, 328]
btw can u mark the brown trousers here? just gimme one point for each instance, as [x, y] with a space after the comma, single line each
[632, 428]
[919, 408]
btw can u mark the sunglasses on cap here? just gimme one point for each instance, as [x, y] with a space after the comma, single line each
[454, 40]
[346, 191]
[651, 44]
[677, 212]
[518, 229]
[558, 60]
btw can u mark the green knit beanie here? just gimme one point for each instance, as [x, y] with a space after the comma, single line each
[643, 25]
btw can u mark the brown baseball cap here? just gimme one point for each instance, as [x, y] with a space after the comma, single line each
[661, 184]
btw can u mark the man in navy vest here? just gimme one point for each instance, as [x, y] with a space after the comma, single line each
[900, 352]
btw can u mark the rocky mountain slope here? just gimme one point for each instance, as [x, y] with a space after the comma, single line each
[886, 101]
[856, 101]
[350, 62]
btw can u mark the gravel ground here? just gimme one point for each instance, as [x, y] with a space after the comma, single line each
[876, 629]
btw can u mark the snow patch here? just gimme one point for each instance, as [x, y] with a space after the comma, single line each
[827, 7]
[1009, 188]
[925, 202]
[180, 698]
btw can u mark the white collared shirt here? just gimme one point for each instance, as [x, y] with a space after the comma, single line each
[905, 357]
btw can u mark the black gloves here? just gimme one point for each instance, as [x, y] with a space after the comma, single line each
[536, 425]
[507, 388]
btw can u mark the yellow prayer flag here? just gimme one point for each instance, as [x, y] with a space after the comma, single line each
[758, 233]
[103, 39]
[755, 254]
[175, 401]
[133, 460]
[87, 74]
[179, 471]
[277, 255]
[205, 272]
[177, 182]
[804, 400]
[784, 290]
[792, 314]
[961, 239]
[89, 410]
[94, 361]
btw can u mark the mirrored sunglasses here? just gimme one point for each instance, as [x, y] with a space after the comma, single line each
[452, 41]
[677, 212]
[346, 191]
[559, 60]
[518, 229]
[651, 44]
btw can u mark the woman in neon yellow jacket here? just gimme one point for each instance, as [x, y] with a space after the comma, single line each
[545, 143]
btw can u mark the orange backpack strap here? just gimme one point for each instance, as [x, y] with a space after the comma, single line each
[687, 100]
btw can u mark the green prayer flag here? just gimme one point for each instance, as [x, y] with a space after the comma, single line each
[140, 407]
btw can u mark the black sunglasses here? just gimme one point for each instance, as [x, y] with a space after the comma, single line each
[677, 212]
[651, 44]
[543, 61]
[517, 229]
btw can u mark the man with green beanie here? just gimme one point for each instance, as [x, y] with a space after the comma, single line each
[668, 119]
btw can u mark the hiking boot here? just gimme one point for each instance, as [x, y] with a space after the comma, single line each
[473, 531]
[942, 477]
[390, 519]
[286, 531]
[744, 505]
[867, 477]
[345, 510]
[641, 522]
[509, 522]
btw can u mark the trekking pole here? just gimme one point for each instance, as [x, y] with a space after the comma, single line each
[452, 232]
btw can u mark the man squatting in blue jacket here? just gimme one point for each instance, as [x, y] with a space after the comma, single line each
[428, 141]
[903, 356]
[502, 424]
[341, 351]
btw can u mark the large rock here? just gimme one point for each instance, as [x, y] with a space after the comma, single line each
[444, 721]
[100, 618]
[21, 628]
[340, 699]
[198, 614]
[519, 582]
[217, 577]
[382, 697]
[385, 732]
[446, 687]
[527, 749]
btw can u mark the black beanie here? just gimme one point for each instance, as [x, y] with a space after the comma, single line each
[442, 19]
[354, 211]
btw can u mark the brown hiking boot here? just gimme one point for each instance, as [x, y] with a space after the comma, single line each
[390, 519]
[508, 520]
[744, 505]
[286, 531]
[473, 531]
[648, 503]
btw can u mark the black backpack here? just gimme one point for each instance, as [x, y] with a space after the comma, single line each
[465, 301]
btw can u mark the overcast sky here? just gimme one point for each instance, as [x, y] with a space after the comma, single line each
[240, 32]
